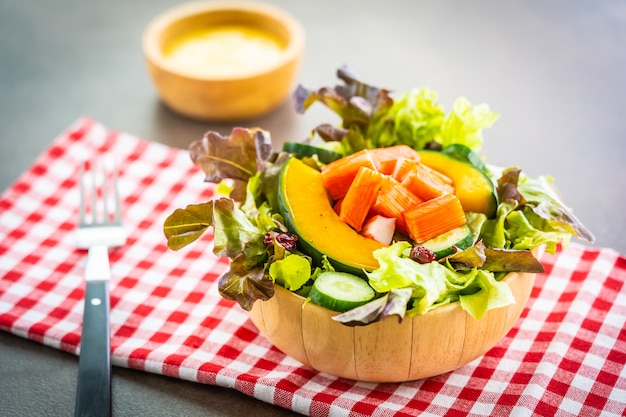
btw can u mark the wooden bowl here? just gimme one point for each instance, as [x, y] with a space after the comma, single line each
[434, 343]
[252, 89]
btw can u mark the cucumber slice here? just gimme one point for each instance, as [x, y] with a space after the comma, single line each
[340, 291]
[465, 154]
[325, 156]
[444, 244]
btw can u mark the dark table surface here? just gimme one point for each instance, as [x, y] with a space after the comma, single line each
[555, 71]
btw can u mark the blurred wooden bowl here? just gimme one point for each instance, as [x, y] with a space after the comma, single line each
[244, 94]
[437, 342]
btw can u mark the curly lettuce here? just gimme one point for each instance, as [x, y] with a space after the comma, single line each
[434, 284]
[240, 221]
[530, 214]
[371, 118]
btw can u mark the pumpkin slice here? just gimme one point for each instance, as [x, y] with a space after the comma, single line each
[304, 204]
[473, 187]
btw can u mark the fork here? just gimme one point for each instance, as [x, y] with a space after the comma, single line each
[99, 228]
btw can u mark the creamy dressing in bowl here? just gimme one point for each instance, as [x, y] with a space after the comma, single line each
[224, 51]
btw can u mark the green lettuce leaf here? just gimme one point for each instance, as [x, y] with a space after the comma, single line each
[547, 204]
[434, 284]
[415, 119]
[186, 225]
[428, 281]
[493, 231]
[234, 234]
[476, 222]
[530, 214]
[233, 231]
[486, 294]
[292, 272]
[468, 259]
[464, 124]
[523, 234]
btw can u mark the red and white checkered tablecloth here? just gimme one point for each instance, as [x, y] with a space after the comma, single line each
[565, 357]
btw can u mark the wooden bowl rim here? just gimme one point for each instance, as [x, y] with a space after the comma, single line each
[152, 49]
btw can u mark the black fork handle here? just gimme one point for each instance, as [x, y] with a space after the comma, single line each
[93, 393]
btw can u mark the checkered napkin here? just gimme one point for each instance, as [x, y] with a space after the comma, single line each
[564, 357]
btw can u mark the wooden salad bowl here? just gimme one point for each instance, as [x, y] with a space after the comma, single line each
[427, 345]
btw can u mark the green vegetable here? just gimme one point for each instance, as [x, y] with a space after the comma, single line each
[415, 119]
[291, 272]
[428, 281]
[304, 149]
[530, 214]
[485, 293]
[464, 124]
[465, 154]
[372, 119]
[545, 203]
[238, 232]
[392, 303]
[457, 239]
[235, 236]
[245, 284]
[435, 284]
[340, 291]
[357, 104]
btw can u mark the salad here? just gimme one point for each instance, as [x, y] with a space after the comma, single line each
[393, 212]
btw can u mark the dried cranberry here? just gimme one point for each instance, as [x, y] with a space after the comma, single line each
[286, 240]
[268, 239]
[422, 255]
